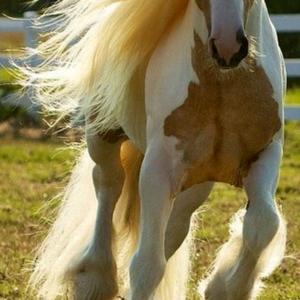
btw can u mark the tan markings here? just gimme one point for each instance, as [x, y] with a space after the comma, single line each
[113, 136]
[225, 122]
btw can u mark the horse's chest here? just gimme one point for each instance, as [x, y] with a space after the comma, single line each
[223, 126]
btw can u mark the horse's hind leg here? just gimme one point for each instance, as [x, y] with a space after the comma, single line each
[95, 272]
[185, 204]
[254, 250]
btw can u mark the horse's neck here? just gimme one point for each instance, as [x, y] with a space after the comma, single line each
[259, 27]
[269, 56]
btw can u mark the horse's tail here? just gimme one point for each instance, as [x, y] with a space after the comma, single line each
[69, 235]
[74, 227]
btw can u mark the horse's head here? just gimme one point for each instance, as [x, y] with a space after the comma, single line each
[226, 19]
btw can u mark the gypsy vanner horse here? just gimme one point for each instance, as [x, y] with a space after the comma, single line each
[175, 95]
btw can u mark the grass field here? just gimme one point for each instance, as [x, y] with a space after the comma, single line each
[31, 172]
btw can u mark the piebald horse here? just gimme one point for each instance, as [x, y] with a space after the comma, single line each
[176, 95]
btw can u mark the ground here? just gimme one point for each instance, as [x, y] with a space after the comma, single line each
[33, 171]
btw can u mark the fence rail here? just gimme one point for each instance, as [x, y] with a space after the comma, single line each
[283, 23]
[286, 23]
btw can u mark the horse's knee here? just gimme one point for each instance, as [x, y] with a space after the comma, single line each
[111, 181]
[261, 224]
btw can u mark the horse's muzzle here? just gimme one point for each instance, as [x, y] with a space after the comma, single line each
[227, 55]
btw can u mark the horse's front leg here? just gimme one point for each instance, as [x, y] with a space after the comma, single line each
[96, 270]
[258, 247]
[157, 182]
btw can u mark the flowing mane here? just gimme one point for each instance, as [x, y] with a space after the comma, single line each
[92, 57]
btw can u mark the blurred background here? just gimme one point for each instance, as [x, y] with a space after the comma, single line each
[35, 164]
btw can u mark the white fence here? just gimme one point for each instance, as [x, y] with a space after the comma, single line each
[283, 23]
[289, 24]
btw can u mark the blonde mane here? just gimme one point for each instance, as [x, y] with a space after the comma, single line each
[91, 59]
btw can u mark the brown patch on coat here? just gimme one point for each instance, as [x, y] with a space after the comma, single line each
[224, 123]
[113, 136]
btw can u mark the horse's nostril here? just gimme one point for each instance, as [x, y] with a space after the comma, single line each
[243, 52]
[244, 46]
[225, 53]
[243, 41]
[214, 50]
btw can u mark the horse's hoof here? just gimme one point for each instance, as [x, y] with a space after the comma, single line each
[93, 285]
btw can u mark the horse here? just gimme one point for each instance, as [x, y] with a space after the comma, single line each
[175, 95]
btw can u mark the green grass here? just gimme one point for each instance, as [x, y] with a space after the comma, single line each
[293, 96]
[31, 172]
[6, 76]
[7, 81]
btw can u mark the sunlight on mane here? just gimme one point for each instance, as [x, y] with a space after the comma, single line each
[109, 41]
